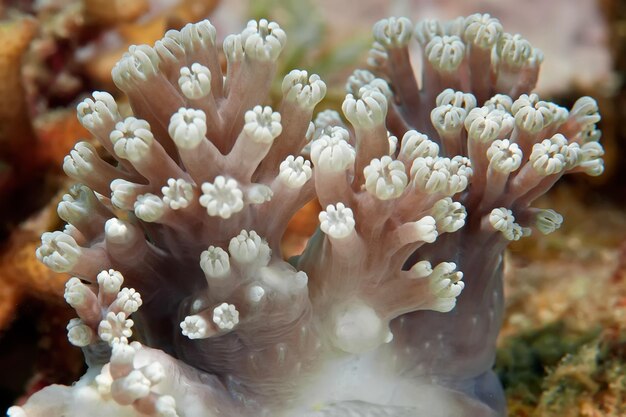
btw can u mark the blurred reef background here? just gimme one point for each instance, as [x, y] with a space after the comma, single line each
[563, 346]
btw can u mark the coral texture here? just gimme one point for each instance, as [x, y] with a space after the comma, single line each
[373, 318]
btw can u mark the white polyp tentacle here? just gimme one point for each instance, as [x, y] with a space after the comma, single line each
[427, 29]
[482, 31]
[196, 327]
[448, 121]
[441, 175]
[83, 300]
[445, 53]
[455, 26]
[424, 230]
[430, 174]
[77, 235]
[500, 102]
[585, 112]
[547, 221]
[466, 101]
[109, 285]
[124, 193]
[81, 208]
[416, 145]
[393, 32]
[99, 115]
[78, 295]
[138, 64]
[115, 328]
[80, 334]
[385, 178]
[294, 172]
[58, 251]
[196, 37]
[226, 316]
[590, 159]
[122, 359]
[257, 194]
[222, 198]
[485, 124]
[377, 56]
[393, 143]
[178, 193]
[449, 215]
[445, 285]
[256, 293]
[103, 382]
[358, 79]
[337, 221]
[588, 134]
[325, 122]
[263, 40]
[99, 112]
[130, 388]
[188, 128]
[247, 248]
[165, 406]
[154, 372]
[501, 219]
[170, 50]
[368, 110]
[127, 301]
[518, 64]
[77, 203]
[149, 208]
[233, 50]
[513, 49]
[215, 262]
[333, 153]
[234, 53]
[530, 114]
[548, 156]
[84, 165]
[195, 81]
[304, 90]
[380, 85]
[504, 156]
[421, 269]
[367, 113]
[120, 233]
[132, 139]
[262, 124]
[558, 114]
[421, 231]
[525, 100]
[80, 162]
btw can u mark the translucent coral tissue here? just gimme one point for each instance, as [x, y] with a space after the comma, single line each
[185, 306]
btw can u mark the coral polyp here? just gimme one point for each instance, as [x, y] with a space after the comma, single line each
[185, 304]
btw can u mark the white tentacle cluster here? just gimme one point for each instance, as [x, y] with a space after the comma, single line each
[385, 178]
[337, 221]
[222, 198]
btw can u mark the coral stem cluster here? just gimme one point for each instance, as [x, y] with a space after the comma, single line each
[393, 307]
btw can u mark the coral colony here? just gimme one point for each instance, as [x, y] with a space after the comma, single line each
[394, 306]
